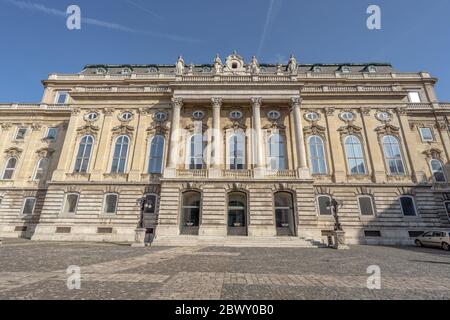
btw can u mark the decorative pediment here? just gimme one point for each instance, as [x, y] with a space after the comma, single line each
[88, 129]
[433, 153]
[192, 186]
[322, 190]
[314, 129]
[273, 126]
[158, 128]
[236, 125]
[349, 129]
[153, 188]
[236, 186]
[363, 191]
[45, 152]
[13, 152]
[192, 126]
[123, 129]
[283, 187]
[387, 129]
[406, 191]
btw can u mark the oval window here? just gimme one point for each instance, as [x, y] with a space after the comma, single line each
[273, 115]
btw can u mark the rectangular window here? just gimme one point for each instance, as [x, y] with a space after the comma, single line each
[70, 205]
[110, 206]
[61, 97]
[28, 206]
[426, 134]
[366, 206]
[324, 205]
[372, 233]
[407, 205]
[20, 134]
[414, 97]
[447, 208]
[51, 134]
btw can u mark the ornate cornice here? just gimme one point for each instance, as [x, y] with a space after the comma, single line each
[45, 152]
[13, 152]
[433, 153]
[387, 129]
[88, 129]
[313, 129]
[349, 129]
[123, 129]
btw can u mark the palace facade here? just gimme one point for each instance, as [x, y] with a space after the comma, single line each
[227, 151]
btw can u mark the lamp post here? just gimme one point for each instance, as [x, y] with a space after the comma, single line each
[139, 237]
[338, 233]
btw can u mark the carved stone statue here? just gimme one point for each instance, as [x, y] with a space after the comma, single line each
[254, 67]
[217, 64]
[179, 70]
[292, 65]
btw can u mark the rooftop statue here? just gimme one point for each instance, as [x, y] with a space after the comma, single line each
[180, 66]
[254, 67]
[292, 65]
[217, 64]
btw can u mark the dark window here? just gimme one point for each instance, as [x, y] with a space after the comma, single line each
[366, 206]
[28, 206]
[156, 154]
[111, 203]
[407, 205]
[151, 203]
[61, 97]
[447, 208]
[20, 134]
[414, 234]
[324, 205]
[372, 233]
[10, 168]
[51, 133]
[70, 205]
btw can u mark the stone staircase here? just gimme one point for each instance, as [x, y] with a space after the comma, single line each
[237, 241]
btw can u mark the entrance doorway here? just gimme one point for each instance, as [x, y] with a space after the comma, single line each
[284, 214]
[190, 213]
[237, 214]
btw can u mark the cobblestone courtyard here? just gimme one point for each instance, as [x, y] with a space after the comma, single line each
[37, 270]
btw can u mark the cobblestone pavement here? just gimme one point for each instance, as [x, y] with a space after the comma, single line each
[38, 270]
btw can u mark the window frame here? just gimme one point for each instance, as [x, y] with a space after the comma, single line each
[161, 158]
[281, 141]
[318, 205]
[410, 96]
[191, 148]
[156, 203]
[24, 203]
[66, 195]
[58, 94]
[117, 171]
[48, 131]
[434, 171]
[372, 204]
[416, 213]
[44, 170]
[233, 148]
[104, 207]
[9, 169]
[84, 157]
[386, 159]
[17, 132]
[431, 134]
[347, 158]
[317, 159]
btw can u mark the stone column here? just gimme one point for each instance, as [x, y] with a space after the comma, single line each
[140, 147]
[101, 159]
[170, 170]
[256, 106]
[216, 153]
[302, 164]
[68, 148]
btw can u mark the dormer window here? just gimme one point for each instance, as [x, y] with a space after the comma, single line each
[371, 69]
[345, 70]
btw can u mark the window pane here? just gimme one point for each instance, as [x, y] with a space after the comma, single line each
[324, 202]
[426, 134]
[407, 205]
[365, 205]
[71, 203]
[414, 97]
[51, 133]
[111, 203]
[62, 97]
[28, 207]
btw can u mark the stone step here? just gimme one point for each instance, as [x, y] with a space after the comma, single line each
[236, 241]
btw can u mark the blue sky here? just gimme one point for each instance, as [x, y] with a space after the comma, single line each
[35, 41]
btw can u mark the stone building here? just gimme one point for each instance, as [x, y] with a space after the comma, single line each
[227, 151]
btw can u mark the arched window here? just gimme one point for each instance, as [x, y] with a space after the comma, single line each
[393, 156]
[9, 168]
[156, 154]
[276, 152]
[84, 154]
[355, 157]
[120, 155]
[41, 167]
[237, 151]
[437, 170]
[317, 155]
[197, 147]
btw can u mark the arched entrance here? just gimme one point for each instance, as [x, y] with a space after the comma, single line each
[237, 214]
[190, 213]
[284, 214]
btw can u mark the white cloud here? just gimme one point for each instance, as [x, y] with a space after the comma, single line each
[26, 5]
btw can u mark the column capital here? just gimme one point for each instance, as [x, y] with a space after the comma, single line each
[216, 101]
[177, 102]
[295, 102]
[256, 101]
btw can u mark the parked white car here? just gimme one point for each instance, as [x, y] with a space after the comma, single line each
[434, 239]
